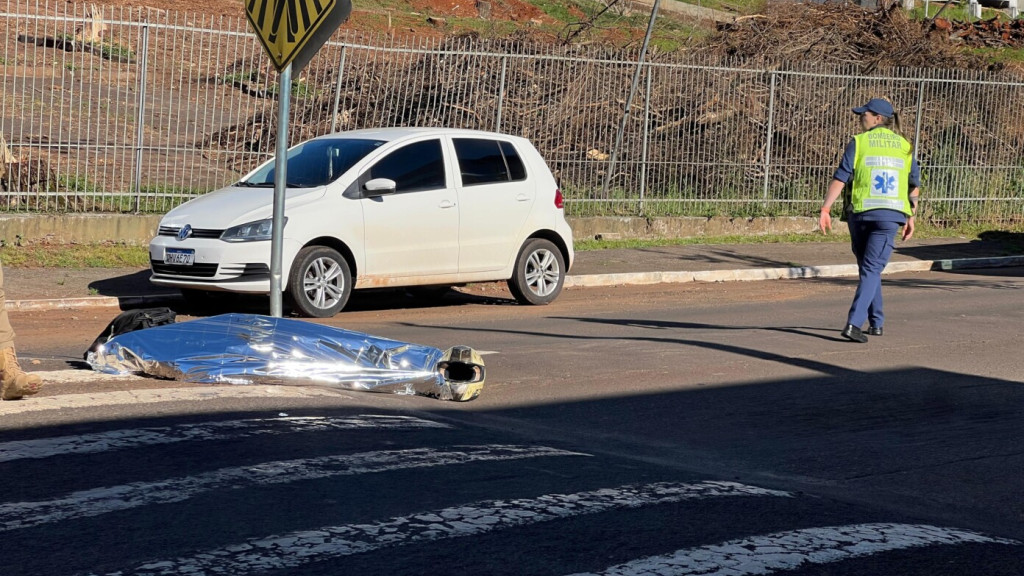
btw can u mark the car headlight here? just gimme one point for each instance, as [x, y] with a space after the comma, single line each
[250, 231]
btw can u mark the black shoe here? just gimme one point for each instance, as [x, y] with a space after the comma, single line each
[875, 330]
[851, 332]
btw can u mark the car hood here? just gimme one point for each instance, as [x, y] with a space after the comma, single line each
[236, 205]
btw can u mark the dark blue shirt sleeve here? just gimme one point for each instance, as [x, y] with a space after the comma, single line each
[844, 173]
[915, 175]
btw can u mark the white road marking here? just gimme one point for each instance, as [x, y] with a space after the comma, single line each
[154, 395]
[789, 550]
[294, 549]
[137, 437]
[98, 501]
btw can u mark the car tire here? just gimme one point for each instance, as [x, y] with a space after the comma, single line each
[320, 282]
[539, 273]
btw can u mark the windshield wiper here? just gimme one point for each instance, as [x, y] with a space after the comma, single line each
[256, 184]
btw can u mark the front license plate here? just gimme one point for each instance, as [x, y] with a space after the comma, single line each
[179, 257]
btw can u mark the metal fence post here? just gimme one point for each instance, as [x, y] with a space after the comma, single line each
[770, 131]
[337, 90]
[920, 112]
[501, 93]
[140, 117]
[647, 134]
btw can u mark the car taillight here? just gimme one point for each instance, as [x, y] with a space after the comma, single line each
[559, 202]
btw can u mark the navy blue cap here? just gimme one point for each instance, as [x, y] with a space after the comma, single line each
[876, 105]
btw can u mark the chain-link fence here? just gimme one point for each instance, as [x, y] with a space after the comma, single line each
[158, 108]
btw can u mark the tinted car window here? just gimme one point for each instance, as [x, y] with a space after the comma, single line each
[418, 166]
[484, 161]
[316, 162]
[515, 164]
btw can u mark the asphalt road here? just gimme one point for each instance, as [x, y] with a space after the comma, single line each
[668, 429]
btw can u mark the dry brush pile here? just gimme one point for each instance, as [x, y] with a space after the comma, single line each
[991, 33]
[842, 34]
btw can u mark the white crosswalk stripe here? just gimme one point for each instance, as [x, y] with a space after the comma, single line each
[142, 397]
[295, 549]
[98, 501]
[297, 538]
[231, 429]
[790, 550]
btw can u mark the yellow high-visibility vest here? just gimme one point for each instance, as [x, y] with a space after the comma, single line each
[881, 172]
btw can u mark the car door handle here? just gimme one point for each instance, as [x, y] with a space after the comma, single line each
[522, 198]
[446, 204]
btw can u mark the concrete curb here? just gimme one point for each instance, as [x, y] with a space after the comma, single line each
[90, 302]
[752, 274]
[594, 280]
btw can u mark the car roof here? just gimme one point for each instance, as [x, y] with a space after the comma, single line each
[390, 134]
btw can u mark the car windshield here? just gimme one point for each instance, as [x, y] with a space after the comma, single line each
[315, 163]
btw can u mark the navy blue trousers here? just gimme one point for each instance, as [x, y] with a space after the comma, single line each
[872, 244]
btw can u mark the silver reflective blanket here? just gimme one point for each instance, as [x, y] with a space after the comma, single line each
[254, 349]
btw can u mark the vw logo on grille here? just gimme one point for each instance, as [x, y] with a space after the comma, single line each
[185, 232]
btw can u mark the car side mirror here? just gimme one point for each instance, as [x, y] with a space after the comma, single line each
[379, 187]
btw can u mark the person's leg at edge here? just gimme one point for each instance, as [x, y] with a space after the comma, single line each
[875, 314]
[858, 239]
[879, 240]
[14, 382]
[6, 331]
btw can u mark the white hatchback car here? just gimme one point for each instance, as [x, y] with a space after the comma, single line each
[377, 208]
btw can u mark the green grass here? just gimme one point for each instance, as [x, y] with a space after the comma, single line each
[559, 10]
[737, 6]
[114, 51]
[75, 183]
[103, 255]
[1001, 55]
[958, 13]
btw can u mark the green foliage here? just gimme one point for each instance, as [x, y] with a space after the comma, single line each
[113, 51]
[299, 89]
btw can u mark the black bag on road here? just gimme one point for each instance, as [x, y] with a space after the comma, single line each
[130, 321]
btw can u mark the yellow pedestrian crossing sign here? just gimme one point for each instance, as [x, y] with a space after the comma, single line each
[292, 31]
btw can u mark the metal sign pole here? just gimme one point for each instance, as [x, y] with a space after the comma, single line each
[629, 101]
[280, 188]
[291, 37]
